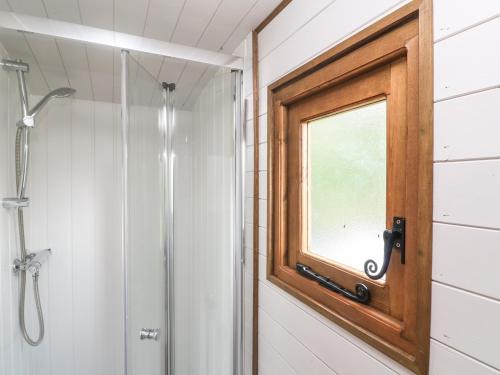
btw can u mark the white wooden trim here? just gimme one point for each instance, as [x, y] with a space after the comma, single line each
[67, 30]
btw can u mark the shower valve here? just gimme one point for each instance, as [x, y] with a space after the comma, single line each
[33, 262]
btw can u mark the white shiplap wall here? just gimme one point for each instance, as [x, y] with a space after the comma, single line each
[294, 339]
[75, 173]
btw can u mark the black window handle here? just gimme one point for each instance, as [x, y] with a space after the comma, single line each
[362, 294]
[392, 238]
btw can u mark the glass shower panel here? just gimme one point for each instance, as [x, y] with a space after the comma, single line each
[204, 253]
[144, 227]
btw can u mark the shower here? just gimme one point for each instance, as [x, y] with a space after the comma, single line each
[29, 261]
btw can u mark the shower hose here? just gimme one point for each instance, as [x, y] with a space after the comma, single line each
[20, 169]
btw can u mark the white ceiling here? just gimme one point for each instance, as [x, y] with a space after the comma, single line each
[217, 25]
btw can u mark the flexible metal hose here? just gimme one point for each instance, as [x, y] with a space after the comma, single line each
[21, 171]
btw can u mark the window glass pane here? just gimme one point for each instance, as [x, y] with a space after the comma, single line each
[347, 207]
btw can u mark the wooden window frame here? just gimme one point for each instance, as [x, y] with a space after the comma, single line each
[390, 59]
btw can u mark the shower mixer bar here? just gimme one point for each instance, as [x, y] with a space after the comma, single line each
[28, 262]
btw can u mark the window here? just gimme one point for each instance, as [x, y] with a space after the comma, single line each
[349, 173]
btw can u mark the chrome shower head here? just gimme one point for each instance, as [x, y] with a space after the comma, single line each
[62, 92]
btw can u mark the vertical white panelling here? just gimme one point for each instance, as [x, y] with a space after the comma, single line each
[75, 209]
[37, 235]
[248, 208]
[10, 339]
[106, 161]
[59, 218]
[82, 225]
[465, 190]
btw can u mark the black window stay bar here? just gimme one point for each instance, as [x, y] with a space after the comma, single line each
[361, 295]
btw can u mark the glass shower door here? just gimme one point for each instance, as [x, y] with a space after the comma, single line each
[206, 257]
[182, 226]
[144, 126]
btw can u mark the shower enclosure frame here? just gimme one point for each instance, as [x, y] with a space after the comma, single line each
[168, 175]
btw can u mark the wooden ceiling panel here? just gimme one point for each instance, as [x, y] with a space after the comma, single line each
[17, 48]
[49, 60]
[96, 71]
[75, 60]
[31, 7]
[171, 70]
[190, 101]
[255, 15]
[101, 71]
[130, 16]
[188, 80]
[195, 17]
[225, 21]
[63, 10]
[97, 13]
[4, 6]
[152, 63]
[162, 18]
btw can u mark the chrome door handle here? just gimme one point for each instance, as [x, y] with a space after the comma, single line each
[150, 334]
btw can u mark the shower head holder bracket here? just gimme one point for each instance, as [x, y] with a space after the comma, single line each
[26, 121]
[15, 202]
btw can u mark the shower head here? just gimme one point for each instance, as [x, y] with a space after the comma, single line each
[62, 92]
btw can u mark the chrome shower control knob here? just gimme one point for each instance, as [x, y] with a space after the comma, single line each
[150, 334]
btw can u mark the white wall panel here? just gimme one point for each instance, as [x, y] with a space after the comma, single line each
[249, 133]
[467, 322]
[74, 177]
[262, 129]
[318, 35]
[445, 360]
[465, 191]
[468, 61]
[285, 23]
[293, 351]
[452, 16]
[467, 127]
[333, 349]
[271, 362]
[468, 193]
[476, 250]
